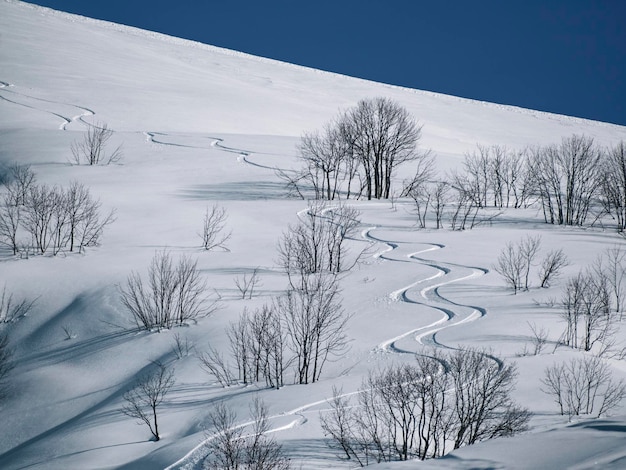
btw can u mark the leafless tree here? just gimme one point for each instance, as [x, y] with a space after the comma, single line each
[384, 136]
[84, 221]
[238, 335]
[12, 309]
[539, 338]
[20, 178]
[143, 400]
[613, 188]
[613, 266]
[551, 266]
[10, 219]
[583, 386]
[324, 154]
[515, 261]
[315, 323]
[567, 178]
[318, 244]
[586, 311]
[528, 247]
[214, 363]
[258, 345]
[247, 284]
[423, 410]
[213, 234]
[482, 392]
[231, 448]
[6, 363]
[92, 148]
[182, 346]
[510, 266]
[439, 200]
[39, 214]
[173, 295]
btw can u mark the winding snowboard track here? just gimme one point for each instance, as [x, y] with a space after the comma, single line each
[243, 156]
[453, 313]
[26, 101]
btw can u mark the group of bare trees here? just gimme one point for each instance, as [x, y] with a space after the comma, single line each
[426, 409]
[363, 146]
[173, 294]
[299, 332]
[319, 242]
[592, 302]
[583, 386]
[357, 153]
[239, 447]
[516, 260]
[42, 219]
[574, 182]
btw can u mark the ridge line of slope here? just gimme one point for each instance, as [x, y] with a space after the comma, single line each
[139, 32]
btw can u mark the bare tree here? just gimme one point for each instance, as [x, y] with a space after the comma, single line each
[315, 323]
[173, 296]
[515, 261]
[20, 178]
[324, 154]
[613, 188]
[143, 400]
[213, 234]
[214, 364]
[84, 221]
[10, 212]
[567, 178]
[583, 386]
[482, 391]
[539, 338]
[551, 266]
[318, 244]
[231, 448]
[12, 309]
[510, 266]
[439, 200]
[423, 410]
[6, 363]
[247, 284]
[613, 265]
[92, 148]
[528, 247]
[384, 136]
[586, 311]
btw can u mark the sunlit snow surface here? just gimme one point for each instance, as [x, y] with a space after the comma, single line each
[201, 125]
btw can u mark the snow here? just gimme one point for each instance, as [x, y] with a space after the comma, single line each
[200, 125]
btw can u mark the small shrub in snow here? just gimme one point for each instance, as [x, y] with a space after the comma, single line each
[92, 149]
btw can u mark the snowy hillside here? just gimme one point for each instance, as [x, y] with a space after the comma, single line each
[200, 125]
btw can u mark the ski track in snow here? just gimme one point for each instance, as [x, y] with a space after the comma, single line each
[22, 99]
[159, 138]
[454, 314]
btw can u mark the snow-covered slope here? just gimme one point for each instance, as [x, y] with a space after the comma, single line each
[201, 124]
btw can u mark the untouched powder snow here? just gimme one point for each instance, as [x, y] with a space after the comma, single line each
[201, 125]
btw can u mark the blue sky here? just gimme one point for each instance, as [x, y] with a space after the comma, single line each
[562, 56]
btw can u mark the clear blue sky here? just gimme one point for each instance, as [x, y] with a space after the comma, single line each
[562, 56]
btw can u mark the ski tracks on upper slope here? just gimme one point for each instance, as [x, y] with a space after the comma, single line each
[40, 104]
